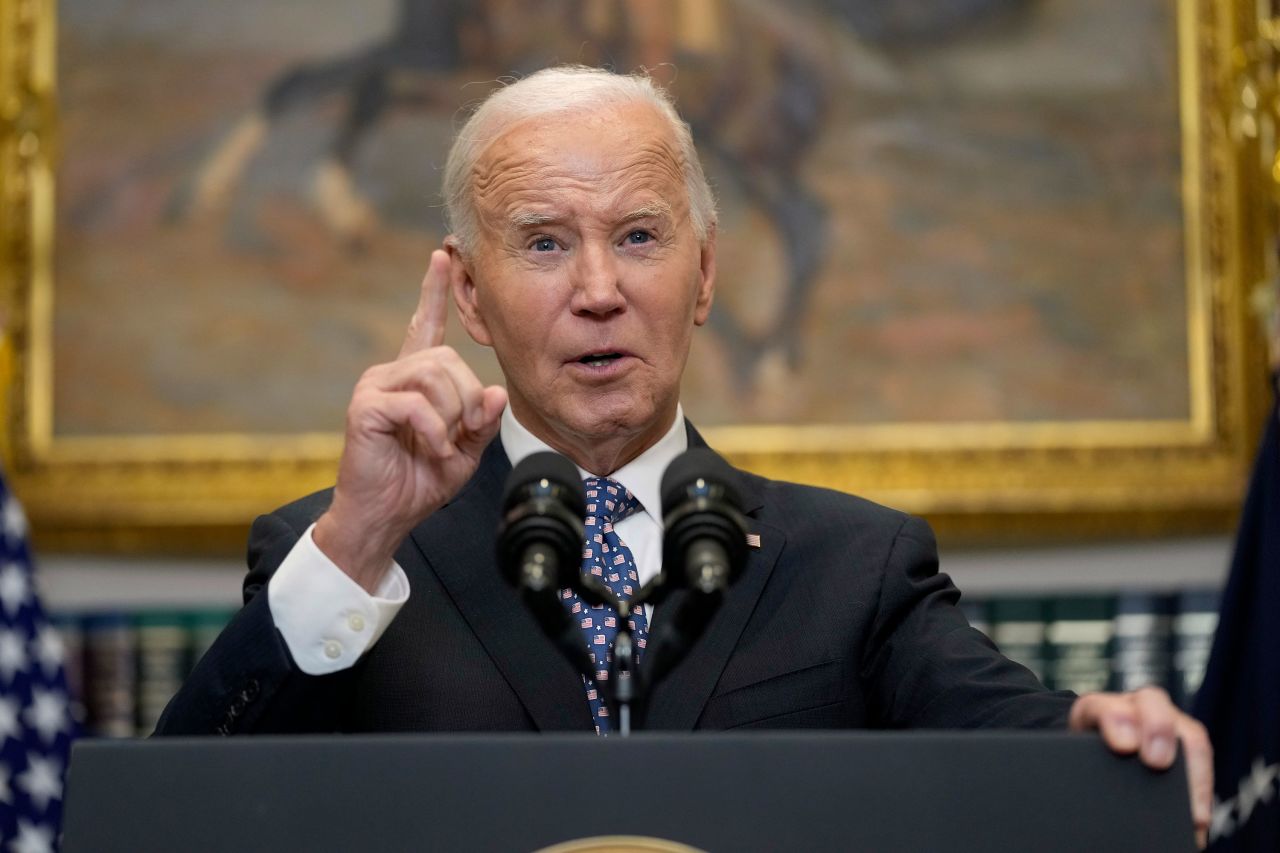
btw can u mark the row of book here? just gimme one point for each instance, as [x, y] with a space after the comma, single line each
[124, 668]
[1106, 642]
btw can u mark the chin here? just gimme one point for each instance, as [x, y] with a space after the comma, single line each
[612, 418]
[604, 429]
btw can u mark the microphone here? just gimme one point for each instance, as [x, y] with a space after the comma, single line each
[541, 533]
[705, 544]
[539, 545]
[704, 550]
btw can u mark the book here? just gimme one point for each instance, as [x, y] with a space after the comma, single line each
[1142, 652]
[1078, 643]
[1018, 629]
[71, 631]
[1193, 629]
[205, 627]
[110, 675]
[164, 647]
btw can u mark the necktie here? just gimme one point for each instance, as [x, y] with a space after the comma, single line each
[608, 558]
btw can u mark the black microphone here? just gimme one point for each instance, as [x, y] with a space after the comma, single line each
[704, 550]
[540, 541]
[705, 542]
[541, 533]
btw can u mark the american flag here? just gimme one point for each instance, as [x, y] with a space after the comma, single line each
[36, 726]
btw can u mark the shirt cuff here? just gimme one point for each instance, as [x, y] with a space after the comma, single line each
[328, 620]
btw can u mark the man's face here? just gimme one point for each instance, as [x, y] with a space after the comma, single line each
[587, 279]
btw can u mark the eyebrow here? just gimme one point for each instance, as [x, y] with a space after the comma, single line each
[530, 218]
[527, 218]
[655, 210]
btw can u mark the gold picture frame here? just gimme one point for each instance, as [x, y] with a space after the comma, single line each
[988, 481]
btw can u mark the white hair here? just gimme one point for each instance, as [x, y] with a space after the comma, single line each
[559, 90]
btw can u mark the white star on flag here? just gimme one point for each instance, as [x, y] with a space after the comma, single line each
[13, 655]
[14, 520]
[1263, 775]
[47, 713]
[32, 838]
[36, 725]
[8, 719]
[42, 780]
[49, 649]
[14, 588]
[1255, 788]
[1222, 822]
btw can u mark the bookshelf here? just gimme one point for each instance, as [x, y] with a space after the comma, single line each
[134, 626]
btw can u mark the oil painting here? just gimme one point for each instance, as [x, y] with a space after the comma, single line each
[960, 210]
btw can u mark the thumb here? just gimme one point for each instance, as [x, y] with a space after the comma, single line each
[478, 437]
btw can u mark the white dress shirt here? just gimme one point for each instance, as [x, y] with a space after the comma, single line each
[328, 620]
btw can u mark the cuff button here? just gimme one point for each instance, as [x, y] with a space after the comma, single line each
[332, 650]
[355, 622]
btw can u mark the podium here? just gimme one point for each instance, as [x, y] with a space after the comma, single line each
[715, 792]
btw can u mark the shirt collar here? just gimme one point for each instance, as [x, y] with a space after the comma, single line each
[642, 475]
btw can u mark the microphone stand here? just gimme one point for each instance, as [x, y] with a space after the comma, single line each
[629, 687]
[622, 689]
[624, 684]
[627, 690]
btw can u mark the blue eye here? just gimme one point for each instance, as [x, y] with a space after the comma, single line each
[544, 244]
[639, 238]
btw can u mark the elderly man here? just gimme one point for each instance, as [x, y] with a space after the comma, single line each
[583, 252]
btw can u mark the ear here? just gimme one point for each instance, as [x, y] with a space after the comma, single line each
[707, 280]
[463, 284]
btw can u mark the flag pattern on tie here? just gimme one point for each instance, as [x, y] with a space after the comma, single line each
[608, 558]
[1239, 699]
[36, 726]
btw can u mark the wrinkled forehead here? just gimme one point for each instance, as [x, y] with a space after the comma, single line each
[617, 155]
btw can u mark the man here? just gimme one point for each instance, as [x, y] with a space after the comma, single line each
[583, 252]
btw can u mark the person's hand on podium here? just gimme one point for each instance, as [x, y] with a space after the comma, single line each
[415, 431]
[1147, 722]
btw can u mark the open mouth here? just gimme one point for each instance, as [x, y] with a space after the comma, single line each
[599, 359]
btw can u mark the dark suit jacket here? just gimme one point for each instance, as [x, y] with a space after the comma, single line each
[840, 620]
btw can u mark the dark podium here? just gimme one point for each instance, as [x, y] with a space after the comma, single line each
[714, 792]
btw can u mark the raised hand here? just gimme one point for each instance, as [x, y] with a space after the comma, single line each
[415, 430]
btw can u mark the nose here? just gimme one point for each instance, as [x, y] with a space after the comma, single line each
[596, 287]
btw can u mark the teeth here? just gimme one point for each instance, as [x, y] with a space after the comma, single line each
[598, 360]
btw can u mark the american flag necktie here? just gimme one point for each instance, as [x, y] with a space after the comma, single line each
[609, 559]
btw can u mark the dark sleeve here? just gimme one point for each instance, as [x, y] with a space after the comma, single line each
[247, 682]
[929, 669]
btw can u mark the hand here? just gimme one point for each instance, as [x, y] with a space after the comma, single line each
[415, 431]
[1147, 722]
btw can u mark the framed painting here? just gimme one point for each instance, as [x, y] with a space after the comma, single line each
[988, 261]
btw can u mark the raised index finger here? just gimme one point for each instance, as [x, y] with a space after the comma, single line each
[426, 327]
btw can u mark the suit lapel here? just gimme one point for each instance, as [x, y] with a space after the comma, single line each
[457, 542]
[678, 700]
